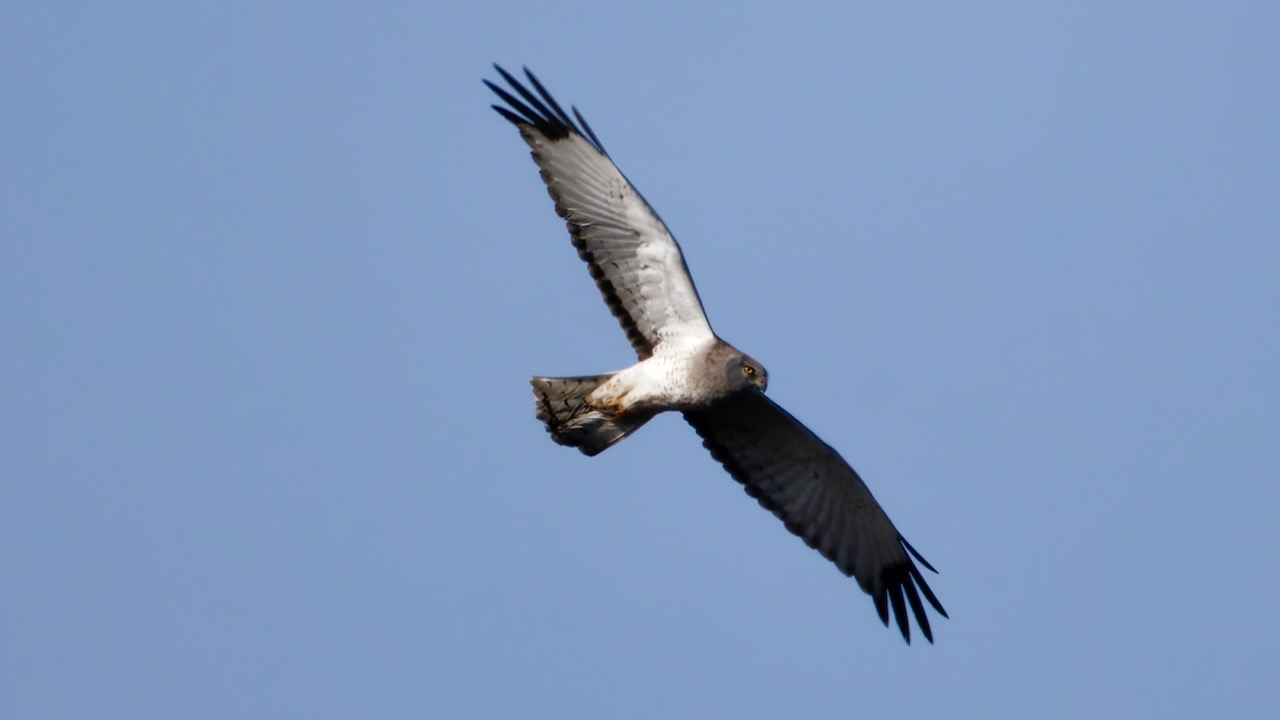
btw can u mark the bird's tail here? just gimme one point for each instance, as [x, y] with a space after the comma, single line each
[572, 421]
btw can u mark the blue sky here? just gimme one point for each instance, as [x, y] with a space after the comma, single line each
[274, 281]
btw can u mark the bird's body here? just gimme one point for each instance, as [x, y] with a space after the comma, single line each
[680, 375]
[685, 367]
[650, 385]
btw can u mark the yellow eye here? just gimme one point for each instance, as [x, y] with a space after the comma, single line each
[748, 370]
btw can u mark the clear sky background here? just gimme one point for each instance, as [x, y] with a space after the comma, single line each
[273, 278]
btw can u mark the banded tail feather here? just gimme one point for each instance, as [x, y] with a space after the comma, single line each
[572, 421]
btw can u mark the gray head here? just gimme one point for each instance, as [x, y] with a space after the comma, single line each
[744, 373]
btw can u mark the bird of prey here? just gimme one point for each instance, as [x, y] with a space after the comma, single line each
[684, 366]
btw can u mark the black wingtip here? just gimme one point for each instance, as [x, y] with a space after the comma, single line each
[881, 600]
[901, 587]
[590, 133]
[900, 611]
[511, 117]
[538, 109]
[917, 609]
[928, 592]
[916, 554]
[555, 110]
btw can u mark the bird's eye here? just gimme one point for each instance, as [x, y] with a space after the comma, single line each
[748, 370]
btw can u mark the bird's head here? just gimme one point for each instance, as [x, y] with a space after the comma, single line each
[751, 374]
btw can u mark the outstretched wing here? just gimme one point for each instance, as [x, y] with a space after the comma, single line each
[632, 256]
[819, 498]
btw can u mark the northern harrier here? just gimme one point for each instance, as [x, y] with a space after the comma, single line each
[684, 366]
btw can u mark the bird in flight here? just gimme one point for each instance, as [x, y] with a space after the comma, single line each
[684, 366]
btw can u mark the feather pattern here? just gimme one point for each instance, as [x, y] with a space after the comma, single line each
[635, 261]
[821, 499]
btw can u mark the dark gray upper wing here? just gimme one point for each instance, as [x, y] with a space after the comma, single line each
[820, 498]
[632, 256]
